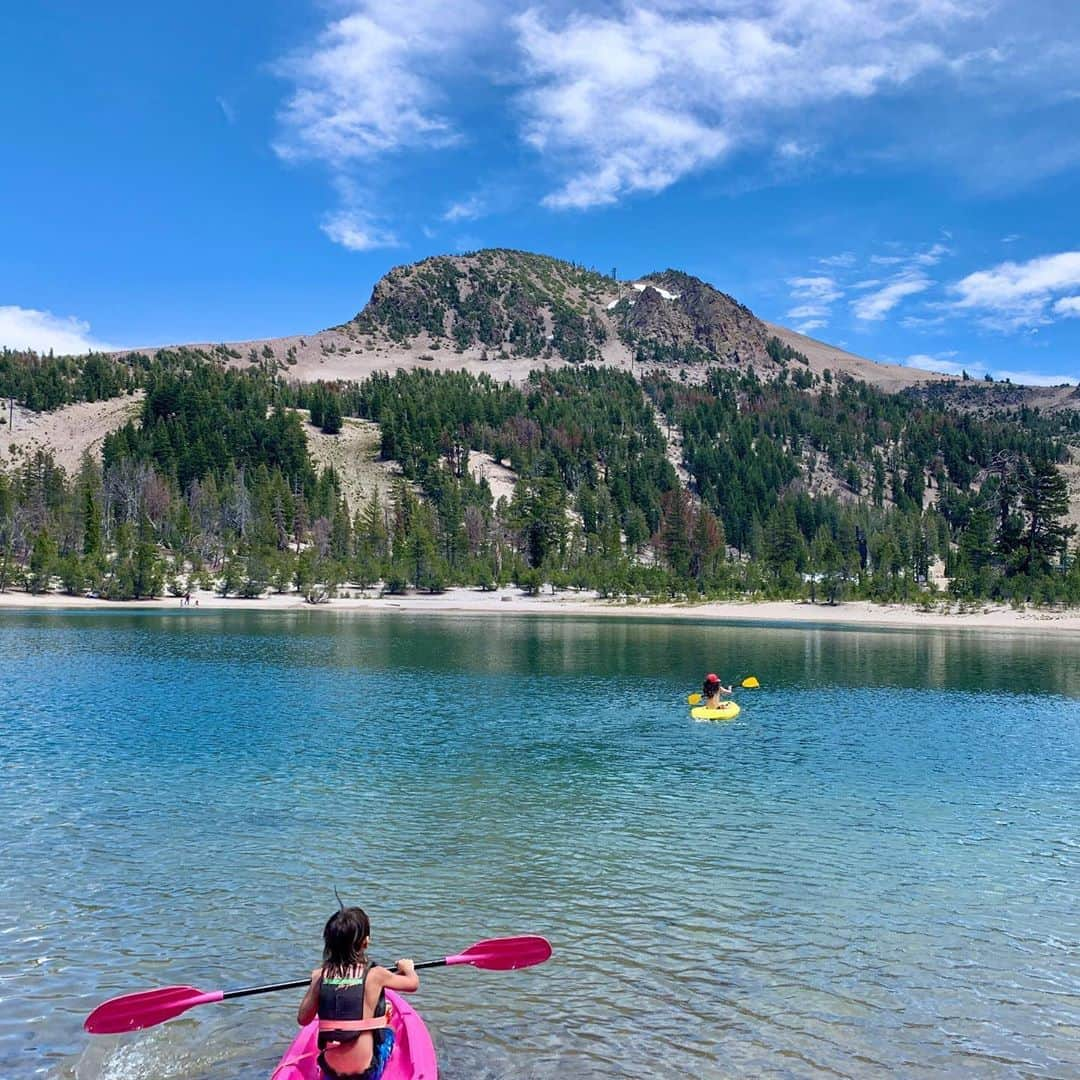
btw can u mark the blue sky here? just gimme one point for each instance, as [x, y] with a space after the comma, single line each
[896, 176]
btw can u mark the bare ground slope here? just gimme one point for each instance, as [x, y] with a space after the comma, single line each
[889, 377]
[354, 454]
[68, 432]
[337, 354]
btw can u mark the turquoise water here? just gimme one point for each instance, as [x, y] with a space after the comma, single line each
[873, 870]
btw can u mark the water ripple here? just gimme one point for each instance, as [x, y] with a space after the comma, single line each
[873, 871]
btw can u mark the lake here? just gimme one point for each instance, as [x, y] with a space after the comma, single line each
[873, 870]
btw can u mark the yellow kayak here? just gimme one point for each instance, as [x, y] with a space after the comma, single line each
[728, 711]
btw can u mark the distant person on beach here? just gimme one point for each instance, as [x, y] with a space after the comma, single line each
[711, 691]
[348, 988]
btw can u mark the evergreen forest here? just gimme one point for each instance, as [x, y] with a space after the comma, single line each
[651, 487]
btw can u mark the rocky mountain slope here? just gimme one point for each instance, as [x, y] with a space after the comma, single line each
[508, 312]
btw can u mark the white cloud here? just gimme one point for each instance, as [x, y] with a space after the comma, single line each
[943, 363]
[28, 328]
[842, 261]
[908, 278]
[1034, 378]
[1013, 295]
[226, 110]
[931, 256]
[633, 100]
[356, 230]
[466, 209]
[629, 97]
[874, 306]
[795, 150]
[913, 260]
[1069, 306]
[375, 82]
[816, 295]
[369, 84]
[819, 287]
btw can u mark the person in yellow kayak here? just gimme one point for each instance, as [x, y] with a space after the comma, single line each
[347, 994]
[712, 691]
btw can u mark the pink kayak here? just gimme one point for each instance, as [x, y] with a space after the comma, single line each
[413, 1057]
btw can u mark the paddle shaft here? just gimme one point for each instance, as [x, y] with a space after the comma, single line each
[247, 991]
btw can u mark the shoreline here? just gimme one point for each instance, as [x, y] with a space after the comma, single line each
[510, 601]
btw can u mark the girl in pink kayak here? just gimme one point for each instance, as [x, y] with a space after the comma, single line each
[711, 691]
[347, 994]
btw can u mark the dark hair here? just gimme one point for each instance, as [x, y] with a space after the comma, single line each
[343, 940]
[710, 684]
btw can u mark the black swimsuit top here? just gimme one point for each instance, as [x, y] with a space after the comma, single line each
[342, 998]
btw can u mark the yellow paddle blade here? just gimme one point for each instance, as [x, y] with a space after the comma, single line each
[750, 683]
[692, 699]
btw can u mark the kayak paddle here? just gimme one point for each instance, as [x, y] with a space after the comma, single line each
[132, 1012]
[749, 683]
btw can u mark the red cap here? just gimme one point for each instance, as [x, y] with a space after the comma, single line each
[712, 678]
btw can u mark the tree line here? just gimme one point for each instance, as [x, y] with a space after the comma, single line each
[843, 491]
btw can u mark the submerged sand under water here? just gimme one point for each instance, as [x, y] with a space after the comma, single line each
[871, 872]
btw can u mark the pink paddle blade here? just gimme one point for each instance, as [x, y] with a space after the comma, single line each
[131, 1012]
[505, 954]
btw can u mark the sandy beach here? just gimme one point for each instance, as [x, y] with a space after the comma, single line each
[510, 601]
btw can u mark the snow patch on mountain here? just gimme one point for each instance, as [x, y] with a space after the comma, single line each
[641, 286]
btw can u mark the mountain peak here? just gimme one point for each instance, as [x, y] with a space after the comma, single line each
[536, 306]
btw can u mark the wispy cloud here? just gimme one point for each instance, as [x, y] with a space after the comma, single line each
[357, 231]
[1015, 295]
[42, 331]
[815, 296]
[912, 259]
[795, 150]
[629, 98]
[374, 84]
[226, 110]
[930, 256]
[369, 84]
[873, 306]
[946, 365]
[632, 101]
[843, 260]
[468, 209]
[905, 275]
[942, 362]
[1034, 378]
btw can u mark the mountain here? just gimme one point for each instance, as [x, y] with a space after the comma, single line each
[673, 442]
[509, 312]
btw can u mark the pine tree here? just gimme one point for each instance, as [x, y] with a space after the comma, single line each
[91, 524]
[331, 415]
[674, 536]
[147, 567]
[42, 563]
[707, 545]
[341, 533]
[1045, 499]
[372, 539]
[879, 480]
[538, 511]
